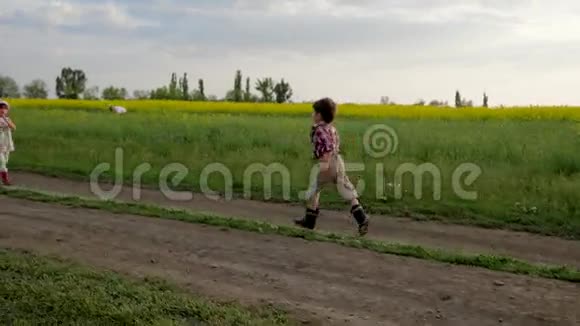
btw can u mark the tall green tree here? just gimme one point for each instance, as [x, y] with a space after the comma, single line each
[266, 88]
[114, 93]
[8, 87]
[248, 92]
[283, 91]
[36, 89]
[238, 94]
[201, 90]
[485, 100]
[458, 100]
[173, 92]
[184, 87]
[71, 83]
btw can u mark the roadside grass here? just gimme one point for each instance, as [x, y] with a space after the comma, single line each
[38, 290]
[491, 262]
[520, 219]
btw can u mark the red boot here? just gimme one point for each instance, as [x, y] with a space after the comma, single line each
[5, 179]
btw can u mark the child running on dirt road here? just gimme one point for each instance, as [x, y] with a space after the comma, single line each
[326, 146]
[6, 143]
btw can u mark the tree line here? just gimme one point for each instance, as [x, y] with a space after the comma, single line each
[460, 102]
[178, 89]
[72, 84]
[35, 89]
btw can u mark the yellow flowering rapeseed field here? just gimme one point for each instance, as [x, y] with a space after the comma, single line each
[345, 110]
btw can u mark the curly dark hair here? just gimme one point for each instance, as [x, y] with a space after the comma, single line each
[327, 109]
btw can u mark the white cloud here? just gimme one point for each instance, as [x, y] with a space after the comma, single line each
[435, 11]
[59, 13]
[549, 23]
[446, 13]
[306, 7]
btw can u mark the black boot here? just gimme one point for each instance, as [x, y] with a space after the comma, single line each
[361, 219]
[309, 220]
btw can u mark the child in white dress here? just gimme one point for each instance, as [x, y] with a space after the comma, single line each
[6, 143]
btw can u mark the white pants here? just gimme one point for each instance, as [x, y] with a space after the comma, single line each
[4, 161]
[335, 176]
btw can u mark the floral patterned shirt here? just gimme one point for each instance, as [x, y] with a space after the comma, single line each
[324, 139]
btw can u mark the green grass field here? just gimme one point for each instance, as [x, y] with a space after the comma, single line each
[44, 291]
[530, 169]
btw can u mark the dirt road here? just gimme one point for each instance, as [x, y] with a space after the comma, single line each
[525, 246]
[320, 283]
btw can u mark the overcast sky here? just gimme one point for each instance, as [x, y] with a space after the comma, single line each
[519, 51]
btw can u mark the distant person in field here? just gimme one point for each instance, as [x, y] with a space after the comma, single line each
[6, 143]
[326, 147]
[117, 109]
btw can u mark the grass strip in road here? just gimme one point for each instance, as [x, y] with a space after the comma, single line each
[491, 262]
[49, 291]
